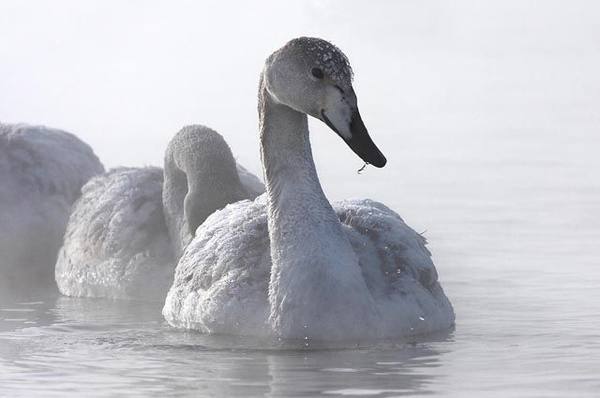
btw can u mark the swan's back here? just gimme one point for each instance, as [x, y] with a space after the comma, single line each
[130, 226]
[38, 160]
[116, 243]
[42, 171]
[221, 282]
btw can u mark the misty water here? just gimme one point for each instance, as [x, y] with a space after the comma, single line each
[512, 221]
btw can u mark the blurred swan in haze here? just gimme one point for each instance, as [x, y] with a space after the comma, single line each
[290, 265]
[131, 224]
[42, 171]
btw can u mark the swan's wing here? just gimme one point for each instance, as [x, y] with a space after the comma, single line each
[383, 241]
[397, 268]
[251, 182]
[116, 244]
[221, 281]
[42, 171]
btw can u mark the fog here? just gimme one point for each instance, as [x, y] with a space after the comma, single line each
[472, 103]
[125, 76]
[488, 114]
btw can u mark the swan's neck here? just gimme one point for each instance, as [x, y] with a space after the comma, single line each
[313, 262]
[290, 173]
[174, 193]
[200, 178]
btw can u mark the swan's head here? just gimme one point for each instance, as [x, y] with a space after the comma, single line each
[313, 76]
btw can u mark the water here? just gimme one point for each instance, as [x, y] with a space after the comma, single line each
[513, 223]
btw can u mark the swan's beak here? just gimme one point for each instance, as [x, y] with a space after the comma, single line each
[355, 134]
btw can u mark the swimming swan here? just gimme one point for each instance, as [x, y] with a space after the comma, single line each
[42, 171]
[130, 225]
[290, 265]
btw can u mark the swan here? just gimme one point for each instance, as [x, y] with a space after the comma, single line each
[42, 171]
[289, 264]
[130, 225]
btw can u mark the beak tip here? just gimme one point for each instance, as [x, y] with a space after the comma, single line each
[359, 140]
[380, 162]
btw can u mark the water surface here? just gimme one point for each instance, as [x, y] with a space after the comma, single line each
[513, 225]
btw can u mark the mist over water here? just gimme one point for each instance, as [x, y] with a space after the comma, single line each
[487, 113]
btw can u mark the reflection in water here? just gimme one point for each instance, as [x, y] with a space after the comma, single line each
[26, 308]
[93, 346]
[350, 372]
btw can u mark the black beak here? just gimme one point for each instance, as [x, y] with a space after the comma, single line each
[360, 141]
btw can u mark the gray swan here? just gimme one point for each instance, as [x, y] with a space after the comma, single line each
[289, 264]
[42, 171]
[130, 225]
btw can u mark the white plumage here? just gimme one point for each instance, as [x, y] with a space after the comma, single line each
[42, 171]
[118, 244]
[222, 281]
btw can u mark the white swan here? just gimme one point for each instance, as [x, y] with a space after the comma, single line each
[289, 264]
[130, 225]
[41, 174]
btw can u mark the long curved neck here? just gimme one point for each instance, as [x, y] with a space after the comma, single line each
[294, 192]
[289, 169]
[312, 260]
[200, 177]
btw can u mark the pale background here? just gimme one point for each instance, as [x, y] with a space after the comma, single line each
[126, 75]
[472, 102]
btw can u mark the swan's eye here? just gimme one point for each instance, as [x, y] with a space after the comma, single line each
[317, 72]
